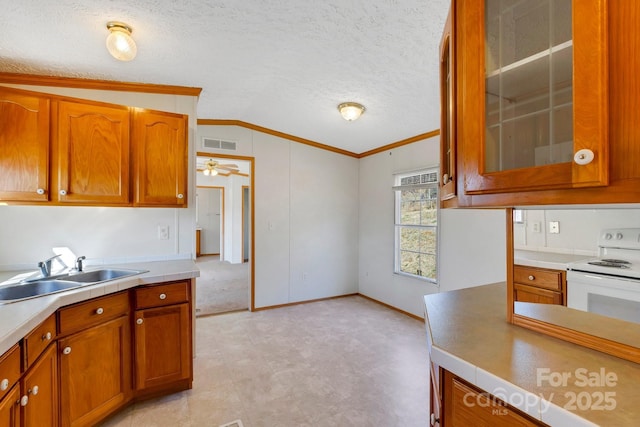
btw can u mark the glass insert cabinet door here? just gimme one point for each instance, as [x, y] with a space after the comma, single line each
[536, 81]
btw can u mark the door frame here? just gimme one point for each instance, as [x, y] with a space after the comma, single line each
[252, 216]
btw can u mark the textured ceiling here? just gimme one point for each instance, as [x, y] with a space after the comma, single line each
[280, 64]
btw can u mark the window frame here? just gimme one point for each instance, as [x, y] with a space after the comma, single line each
[398, 226]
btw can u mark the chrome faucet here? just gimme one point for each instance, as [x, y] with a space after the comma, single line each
[79, 263]
[45, 266]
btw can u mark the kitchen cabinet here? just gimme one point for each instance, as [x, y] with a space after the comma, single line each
[162, 337]
[527, 120]
[466, 405]
[40, 391]
[91, 153]
[448, 173]
[95, 359]
[24, 146]
[160, 158]
[10, 408]
[539, 285]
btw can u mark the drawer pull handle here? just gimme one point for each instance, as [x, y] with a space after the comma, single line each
[24, 400]
[46, 337]
[139, 321]
[100, 310]
[67, 350]
[531, 277]
[163, 296]
[4, 384]
[34, 390]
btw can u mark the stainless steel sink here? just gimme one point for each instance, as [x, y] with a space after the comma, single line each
[50, 285]
[97, 276]
[34, 289]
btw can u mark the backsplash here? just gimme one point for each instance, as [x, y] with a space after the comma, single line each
[578, 229]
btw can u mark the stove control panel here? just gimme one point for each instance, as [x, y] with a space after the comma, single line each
[625, 238]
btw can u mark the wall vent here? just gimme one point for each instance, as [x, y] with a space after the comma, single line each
[214, 143]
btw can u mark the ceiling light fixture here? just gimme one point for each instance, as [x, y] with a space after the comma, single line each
[120, 44]
[351, 110]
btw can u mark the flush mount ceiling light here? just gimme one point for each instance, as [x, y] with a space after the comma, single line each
[351, 110]
[120, 44]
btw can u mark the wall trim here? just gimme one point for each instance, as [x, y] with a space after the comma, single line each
[400, 143]
[80, 83]
[406, 313]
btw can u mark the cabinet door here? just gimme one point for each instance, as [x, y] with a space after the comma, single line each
[95, 372]
[24, 147]
[10, 408]
[532, 94]
[448, 173]
[160, 147]
[162, 346]
[92, 154]
[40, 386]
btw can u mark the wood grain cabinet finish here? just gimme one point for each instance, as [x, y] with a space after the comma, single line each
[37, 340]
[160, 158]
[448, 173]
[24, 146]
[10, 408]
[95, 360]
[9, 369]
[539, 285]
[465, 405]
[162, 336]
[91, 160]
[40, 391]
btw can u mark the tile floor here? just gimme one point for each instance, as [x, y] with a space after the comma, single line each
[341, 362]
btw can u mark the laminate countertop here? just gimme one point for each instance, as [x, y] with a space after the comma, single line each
[552, 260]
[19, 318]
[554, 381]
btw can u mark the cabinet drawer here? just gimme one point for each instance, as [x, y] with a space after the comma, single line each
[525, 293]
[9, 369]
[159, 295]
[93, 312]
[542, 278]
[39, 339]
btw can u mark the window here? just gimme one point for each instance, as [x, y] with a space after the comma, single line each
[416, 224]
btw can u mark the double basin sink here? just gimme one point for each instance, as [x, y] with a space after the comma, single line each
[49, 285]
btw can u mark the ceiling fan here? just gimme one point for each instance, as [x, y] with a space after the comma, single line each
[213, 167]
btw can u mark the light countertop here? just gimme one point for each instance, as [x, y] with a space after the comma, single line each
[467, 334]
[19, 318]
[552, 260]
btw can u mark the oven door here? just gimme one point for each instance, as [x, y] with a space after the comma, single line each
[610, 296]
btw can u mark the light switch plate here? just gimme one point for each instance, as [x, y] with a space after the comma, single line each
[554, 227]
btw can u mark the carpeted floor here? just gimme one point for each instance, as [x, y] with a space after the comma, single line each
[221, 287]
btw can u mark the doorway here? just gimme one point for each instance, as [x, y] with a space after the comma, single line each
[224, 192]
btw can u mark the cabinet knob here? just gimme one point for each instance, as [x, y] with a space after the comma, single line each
[66, 350]
[4, 384]
[434, 420]
[99, 310]
[445, 178]
[34, 390]
[40, 191]
[139, 321]
[163, 296]
[180, 196]
[531, 277]
[24, 400]
[46, 337]
[583, 157]
[63, 192]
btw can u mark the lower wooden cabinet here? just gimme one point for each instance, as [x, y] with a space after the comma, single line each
[539, 285]
[464, 405]
[10, 408]
[40, 391]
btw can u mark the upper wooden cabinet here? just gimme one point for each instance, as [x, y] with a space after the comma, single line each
[448, 173]
[24, 146]
[91, 160]
[160, 158]
[533, 94]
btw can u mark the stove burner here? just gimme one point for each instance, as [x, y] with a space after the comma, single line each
[608, 263]
[616, 261]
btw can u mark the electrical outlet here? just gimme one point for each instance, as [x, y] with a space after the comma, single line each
[554, 227]
[535, 226]
[163, 232]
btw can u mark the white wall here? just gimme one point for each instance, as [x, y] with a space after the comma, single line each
[306, 216]
[103, 234]
[463, 238]
[579, 228]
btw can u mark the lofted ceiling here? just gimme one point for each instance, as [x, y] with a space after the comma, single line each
[280, 64]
